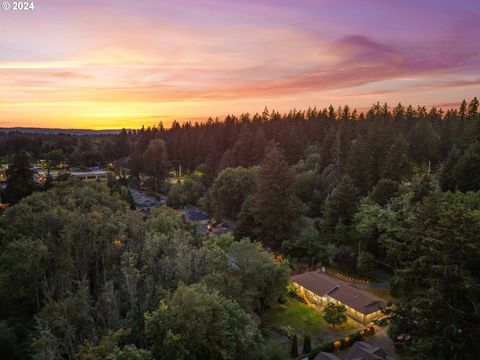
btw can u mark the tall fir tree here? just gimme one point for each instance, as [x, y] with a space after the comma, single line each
[397, 163]
[19, 178]
[276, 207]
[438, 270]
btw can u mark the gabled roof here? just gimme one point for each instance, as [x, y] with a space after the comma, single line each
[359, 351]
[323, 284]
[364, 351]
[325, 356]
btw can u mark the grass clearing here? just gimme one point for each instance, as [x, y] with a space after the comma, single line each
[304, 320]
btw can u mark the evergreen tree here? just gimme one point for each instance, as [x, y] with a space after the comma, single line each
[307, 344]
[294, 348]
[384, 191]
[438, 269]
[212, 163]
[259, 144]
[340, 205]
[397, 164]
[242, 149]
[467, 171]
[246, 223]
[447, 173]
[422, 187]
[424, 142]
[472, 110]
[155, 161]
[463, 110]
[19, 178]
[135, 163]
[122, 145]
[276, 207]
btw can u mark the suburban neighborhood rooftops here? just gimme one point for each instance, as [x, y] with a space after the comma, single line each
[359, 351]
[323, 284]
[364, 351]
[326, 356]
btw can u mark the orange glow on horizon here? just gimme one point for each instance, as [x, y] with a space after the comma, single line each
[79, 65]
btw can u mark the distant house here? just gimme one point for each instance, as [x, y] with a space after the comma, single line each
[142, 201]
[3, 174]
[359, 351]
[195, 215]
[320, 288]
[98, 175]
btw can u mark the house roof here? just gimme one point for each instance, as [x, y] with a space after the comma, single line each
[359, 351]
[364, 351]
[194, 215]
[325, 356]
[323, 284]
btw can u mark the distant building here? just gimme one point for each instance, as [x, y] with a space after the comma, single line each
[320, 288]
[3, 174]
[359, 351]
[195, 215]
[97, 175]
[144, 202]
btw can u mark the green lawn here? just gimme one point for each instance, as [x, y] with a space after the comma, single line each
[303, 319]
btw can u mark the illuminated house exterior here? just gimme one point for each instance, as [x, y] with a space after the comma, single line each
[320, 289]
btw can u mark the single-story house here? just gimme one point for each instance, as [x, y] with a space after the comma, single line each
[359, 351]
[97, 175]
[321, 288]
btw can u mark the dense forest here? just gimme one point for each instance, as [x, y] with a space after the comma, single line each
[81, 276]
[395, 190]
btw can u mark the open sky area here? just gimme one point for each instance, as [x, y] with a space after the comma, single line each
[110, 64]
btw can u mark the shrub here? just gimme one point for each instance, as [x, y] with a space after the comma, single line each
[294, 349]
[326, 347]
[356, 336]
[307, 344]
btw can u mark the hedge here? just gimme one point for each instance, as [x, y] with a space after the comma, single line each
[341, 344]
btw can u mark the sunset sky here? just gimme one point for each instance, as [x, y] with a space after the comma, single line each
[112, 64]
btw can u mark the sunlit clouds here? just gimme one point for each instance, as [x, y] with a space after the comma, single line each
[109, 64]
